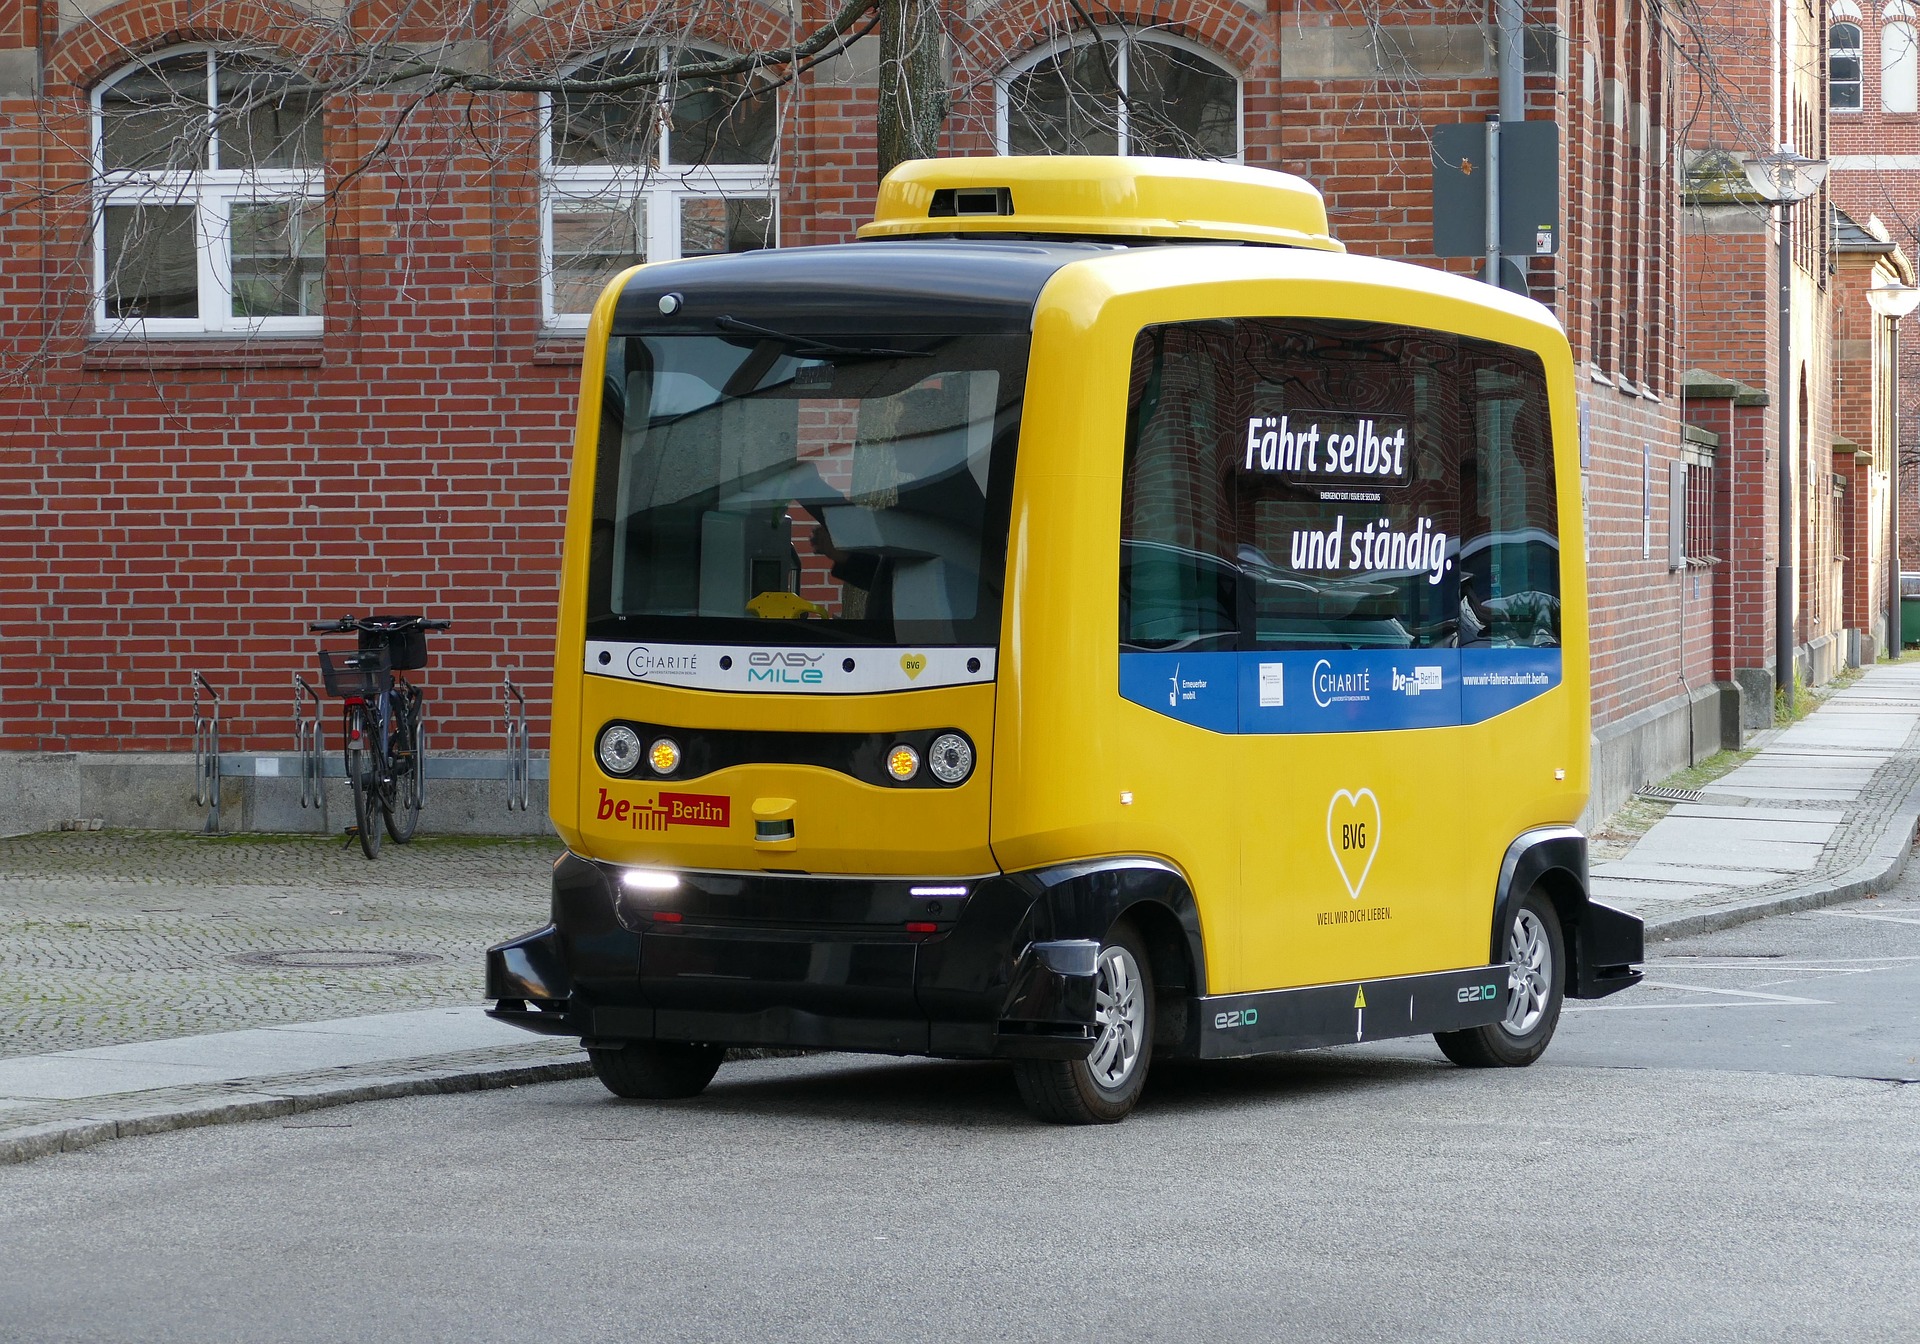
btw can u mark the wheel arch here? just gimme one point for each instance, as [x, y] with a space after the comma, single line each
[1603, 945]
[1086, 900]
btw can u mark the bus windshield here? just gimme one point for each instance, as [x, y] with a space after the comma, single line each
[762, 487]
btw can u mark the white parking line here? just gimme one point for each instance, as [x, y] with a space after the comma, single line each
[1861, 914]
[1751, 999]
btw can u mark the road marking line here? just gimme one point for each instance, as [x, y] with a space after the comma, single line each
[1771, 963]
[1675, 1007]
[1731, 993]
[1861, 914]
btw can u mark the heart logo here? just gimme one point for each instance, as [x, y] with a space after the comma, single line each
[1353, 835]
[913, 664]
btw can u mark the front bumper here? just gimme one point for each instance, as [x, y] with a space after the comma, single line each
[861, 964]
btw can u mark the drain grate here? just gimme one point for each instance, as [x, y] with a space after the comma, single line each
[1661, 794]
[331, 958]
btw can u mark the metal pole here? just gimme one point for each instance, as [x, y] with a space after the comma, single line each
[1513, 60]
[1783, 595]
[1493, 199]
[1893, 499]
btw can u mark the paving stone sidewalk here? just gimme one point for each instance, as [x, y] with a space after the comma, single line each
[1824, 811]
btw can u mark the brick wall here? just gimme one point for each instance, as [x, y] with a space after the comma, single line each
[173, 507]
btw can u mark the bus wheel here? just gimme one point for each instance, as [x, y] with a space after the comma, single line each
[1103, 1087]
[1536, 950]
[656, 1070]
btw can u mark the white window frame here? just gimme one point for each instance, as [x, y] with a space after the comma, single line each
[212, 192]
[665, 186]
[1858, 52]
[1123, 39]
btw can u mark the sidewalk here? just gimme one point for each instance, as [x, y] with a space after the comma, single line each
[1824, 812]
[154, 981]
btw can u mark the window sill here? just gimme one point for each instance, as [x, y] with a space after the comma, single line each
[560, 347]
[211, 352]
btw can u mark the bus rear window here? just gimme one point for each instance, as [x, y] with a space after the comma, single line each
[777, 489]
[1336, 485]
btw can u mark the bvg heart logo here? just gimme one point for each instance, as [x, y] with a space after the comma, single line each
[1353, 834]
[913, 664]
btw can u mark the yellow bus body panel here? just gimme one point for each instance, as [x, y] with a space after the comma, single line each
[1082, 773]
[841, 824]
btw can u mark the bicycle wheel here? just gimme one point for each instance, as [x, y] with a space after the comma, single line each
[401, 803]
[363, 779]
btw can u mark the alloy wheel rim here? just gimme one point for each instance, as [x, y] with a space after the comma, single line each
[1119, 1014]
[1529, 974]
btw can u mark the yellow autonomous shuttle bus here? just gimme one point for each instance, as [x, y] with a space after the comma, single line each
[1090, 618]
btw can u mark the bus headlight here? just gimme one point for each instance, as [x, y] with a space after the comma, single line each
[950, 758]
[903, 762]
[619, 749]
[664, 756]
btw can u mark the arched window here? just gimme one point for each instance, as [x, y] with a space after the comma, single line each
[625, 183]
[1843, 67]
[208, 206]
[1899, 60]
[1121, 92]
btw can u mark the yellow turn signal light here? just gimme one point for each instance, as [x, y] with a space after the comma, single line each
[664, 756]
[903, 762]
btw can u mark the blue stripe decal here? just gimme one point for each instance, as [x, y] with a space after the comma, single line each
[1338, 690]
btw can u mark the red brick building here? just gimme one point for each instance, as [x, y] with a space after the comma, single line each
[322, 358]
[1875, 119]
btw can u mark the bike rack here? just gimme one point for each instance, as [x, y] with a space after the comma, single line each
[206, 752]
[309, 743]
[514, 713]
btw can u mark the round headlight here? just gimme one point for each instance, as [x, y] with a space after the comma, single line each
[664, 756]
[619, 749]
[903, 762]
[950, 758]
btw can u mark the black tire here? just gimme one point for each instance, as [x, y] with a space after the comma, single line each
[656, 1070]
[1104, 1087]
[1537, 949]
[401, 805]
[363, 781]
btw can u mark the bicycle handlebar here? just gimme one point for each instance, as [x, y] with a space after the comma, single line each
[377, 624]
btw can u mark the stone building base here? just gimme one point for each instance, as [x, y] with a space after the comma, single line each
[466, 795]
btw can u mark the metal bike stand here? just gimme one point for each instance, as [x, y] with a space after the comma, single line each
[206, 752]
[309, 743]
[514, 713]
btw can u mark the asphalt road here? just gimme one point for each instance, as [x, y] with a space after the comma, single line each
[1723, 1157]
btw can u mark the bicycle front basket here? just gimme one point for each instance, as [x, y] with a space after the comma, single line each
[352, 673]
[406, 649]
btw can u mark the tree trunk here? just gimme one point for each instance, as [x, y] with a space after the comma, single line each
[913, 81]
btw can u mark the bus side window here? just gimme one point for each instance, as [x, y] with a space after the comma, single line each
[1509, 554]
[1179, 583]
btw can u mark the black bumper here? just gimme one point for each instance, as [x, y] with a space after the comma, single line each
[824, 963]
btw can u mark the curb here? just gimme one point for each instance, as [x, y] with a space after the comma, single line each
[266, 1102]
[1877, 872]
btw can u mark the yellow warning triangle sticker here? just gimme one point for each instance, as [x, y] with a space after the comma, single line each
[1359, 996]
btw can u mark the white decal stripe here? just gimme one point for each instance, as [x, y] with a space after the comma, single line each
[790, 671]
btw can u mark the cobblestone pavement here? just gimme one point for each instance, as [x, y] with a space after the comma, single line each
[110, 937]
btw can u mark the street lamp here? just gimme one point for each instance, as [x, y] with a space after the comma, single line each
[1893, 301]
[1783, 179]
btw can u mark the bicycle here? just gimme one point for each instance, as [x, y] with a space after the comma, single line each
[384, 720]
